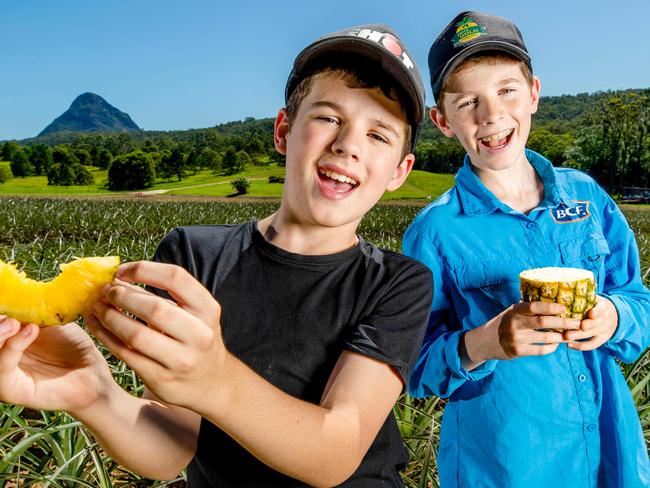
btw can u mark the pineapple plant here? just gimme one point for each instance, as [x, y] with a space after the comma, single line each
[59, 301]
[574, 288]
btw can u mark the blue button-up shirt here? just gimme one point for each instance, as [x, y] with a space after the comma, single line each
[566, 419]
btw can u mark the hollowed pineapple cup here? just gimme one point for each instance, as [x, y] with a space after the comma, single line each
[574, 288]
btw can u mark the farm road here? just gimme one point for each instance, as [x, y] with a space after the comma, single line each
[165, 190]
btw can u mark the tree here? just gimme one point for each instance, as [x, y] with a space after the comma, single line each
[103, 158]
[172, 165]
[230, 161]
[244, 160]
[61, 174]
[613, 145]
[83, 156]
[82, 176]
[20, 165]
[209, 158]
[551, 146]
[241, 185]
[41, 158]
[8, 150]
[62, 155]
[5, 174]
[133, 171]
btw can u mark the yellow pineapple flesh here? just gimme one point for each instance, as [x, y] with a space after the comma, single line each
[574, 288]
[59, 301]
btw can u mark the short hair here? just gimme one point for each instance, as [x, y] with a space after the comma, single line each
[490, 57]
[356, 72]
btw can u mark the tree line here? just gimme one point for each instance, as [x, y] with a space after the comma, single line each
[606, 135]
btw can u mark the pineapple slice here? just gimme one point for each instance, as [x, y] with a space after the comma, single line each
[574, 288]
[59, 301]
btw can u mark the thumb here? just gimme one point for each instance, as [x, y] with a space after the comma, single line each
[13, 349]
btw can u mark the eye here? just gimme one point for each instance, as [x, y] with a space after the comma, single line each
[468, 103]
[378, 137]
[328, 119]
[505, 91]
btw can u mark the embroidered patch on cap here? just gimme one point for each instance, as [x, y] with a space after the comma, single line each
[567, 214]
[466, 30]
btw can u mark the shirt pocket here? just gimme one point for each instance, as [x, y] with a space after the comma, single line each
[486, 288]
[589, 253]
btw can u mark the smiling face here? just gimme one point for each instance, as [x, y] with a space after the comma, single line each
[488, 107]
[343, 150]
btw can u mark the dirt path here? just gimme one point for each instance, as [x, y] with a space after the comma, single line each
[165, 190]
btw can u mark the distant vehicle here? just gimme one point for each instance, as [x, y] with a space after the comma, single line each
[636, 195]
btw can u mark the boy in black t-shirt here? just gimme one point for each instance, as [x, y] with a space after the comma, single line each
[276, 349]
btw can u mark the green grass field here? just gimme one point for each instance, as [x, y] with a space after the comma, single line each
[50, 449]
[420, 185]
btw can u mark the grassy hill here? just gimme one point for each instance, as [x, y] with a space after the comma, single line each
[419, 185]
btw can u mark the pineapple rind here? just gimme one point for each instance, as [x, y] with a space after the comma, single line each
[572, 287]
[59, 301]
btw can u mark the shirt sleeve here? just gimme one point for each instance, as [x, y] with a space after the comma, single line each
[438, 369]
[624, 287]
[392, 331]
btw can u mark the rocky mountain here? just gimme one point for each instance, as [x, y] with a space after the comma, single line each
[91, 113]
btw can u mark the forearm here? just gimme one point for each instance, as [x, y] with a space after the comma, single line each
[145, 436]
[479, 345]
[319, 445]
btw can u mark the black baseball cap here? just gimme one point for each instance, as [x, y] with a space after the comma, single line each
[468, 34]
[377, 43]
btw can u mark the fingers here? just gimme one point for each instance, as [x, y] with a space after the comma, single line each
[15, 345]
[589, 345]
[8, 327]
[143, 365]
[188, 293]
[163, 314]
[130, 340]
[539, 308]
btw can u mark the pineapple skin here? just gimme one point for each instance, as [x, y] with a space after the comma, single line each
[578, 296]
[59, 301]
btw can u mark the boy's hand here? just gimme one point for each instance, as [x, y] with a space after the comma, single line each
[599, 327]
[522, 329]
[50, 368]
[180, 355]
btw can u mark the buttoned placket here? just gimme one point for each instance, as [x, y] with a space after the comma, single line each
[582, 380]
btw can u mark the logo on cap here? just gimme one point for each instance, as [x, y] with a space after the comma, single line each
[466, 30]
[385, 40]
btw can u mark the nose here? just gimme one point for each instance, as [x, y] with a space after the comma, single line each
[490, 111]
[347, 143]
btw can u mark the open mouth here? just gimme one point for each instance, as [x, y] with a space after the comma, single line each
[336, 182]
[498, 140]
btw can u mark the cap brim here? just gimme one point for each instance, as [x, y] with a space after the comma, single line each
[477, 47]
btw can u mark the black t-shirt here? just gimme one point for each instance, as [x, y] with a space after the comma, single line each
[289, 317]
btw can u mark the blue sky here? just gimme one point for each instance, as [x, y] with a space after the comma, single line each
[197, 63]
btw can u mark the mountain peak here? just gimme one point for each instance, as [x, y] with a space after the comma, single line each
[91, 113]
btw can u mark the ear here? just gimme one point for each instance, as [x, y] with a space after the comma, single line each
[401, 172]
[440, 121]
[534, 94]
[280, 131]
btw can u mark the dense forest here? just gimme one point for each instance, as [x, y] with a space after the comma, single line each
[606, 134]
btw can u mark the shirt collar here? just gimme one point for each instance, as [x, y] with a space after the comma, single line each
[477, 199]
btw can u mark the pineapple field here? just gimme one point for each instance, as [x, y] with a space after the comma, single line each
[50, 449]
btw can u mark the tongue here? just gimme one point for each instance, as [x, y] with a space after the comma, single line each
[338, 186]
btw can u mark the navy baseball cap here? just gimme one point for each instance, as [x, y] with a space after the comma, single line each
[378, 43]
[470, 33]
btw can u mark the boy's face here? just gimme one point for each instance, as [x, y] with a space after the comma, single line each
[343, 150]
[488, 107]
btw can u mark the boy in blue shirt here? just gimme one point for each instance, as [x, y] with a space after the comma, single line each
[528, 406]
